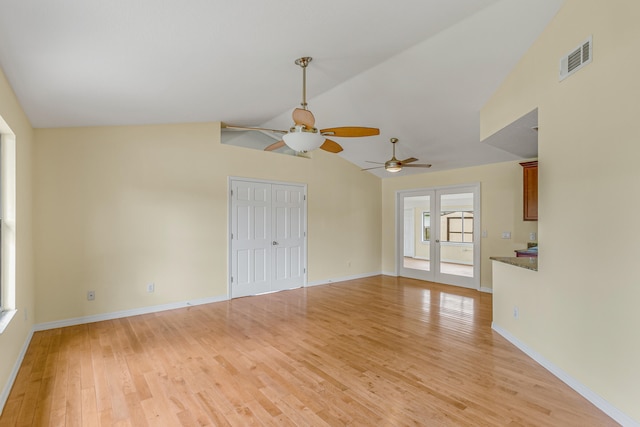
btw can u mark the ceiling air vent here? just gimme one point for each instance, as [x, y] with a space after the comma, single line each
[576, 59]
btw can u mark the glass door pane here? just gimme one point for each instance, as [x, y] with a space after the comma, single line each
[457, 234]
[417, 232]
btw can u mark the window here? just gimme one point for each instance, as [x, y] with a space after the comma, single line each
[7, 225]
[426, 226]
[457, 227]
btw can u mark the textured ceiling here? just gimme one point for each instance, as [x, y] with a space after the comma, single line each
[420, 70]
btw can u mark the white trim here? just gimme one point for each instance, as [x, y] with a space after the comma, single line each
[390, 273]
[606, 407]
[343, 279]
[14, 372]
[486, 290]
[5, 318]
[125, 313]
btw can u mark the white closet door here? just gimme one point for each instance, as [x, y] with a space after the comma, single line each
[251, 238]
[268, 237]
[288, 237]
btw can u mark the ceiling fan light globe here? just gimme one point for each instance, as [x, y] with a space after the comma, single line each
[393, 165]
[303, 141]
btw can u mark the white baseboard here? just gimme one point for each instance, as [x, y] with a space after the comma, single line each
[619, 416]
[342, 279]
[125, 313]
[390, 273]
[14, 372]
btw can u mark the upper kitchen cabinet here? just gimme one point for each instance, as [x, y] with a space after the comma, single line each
[530, 190]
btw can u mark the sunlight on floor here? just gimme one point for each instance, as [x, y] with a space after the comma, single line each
[445, 267]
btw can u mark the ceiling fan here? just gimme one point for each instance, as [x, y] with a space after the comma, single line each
[395, 165]
[303, 136]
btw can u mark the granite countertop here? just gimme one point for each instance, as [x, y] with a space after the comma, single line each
[530, 263]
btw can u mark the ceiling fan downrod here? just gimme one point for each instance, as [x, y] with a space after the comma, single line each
[303, 62]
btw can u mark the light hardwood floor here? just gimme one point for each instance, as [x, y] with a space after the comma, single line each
[380, 351]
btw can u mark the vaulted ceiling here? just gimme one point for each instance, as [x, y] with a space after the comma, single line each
[420, 70]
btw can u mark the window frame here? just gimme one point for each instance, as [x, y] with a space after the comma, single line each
[426, 230]
[462, 233]
[8, 307]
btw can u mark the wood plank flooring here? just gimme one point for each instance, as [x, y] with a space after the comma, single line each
[379, 351]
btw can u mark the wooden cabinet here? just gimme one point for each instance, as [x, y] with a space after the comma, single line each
[530, 190]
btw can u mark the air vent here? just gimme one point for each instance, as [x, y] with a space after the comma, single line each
[576, 59]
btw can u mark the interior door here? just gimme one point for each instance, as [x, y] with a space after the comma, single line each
[457, 241]
[268, 237]
[415, 207]
[250, 238]
[445, 235]
[288, 237]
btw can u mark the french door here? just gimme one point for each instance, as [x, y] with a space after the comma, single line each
[268, 237]
[438, 235]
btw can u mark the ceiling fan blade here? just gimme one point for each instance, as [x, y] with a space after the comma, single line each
[368, 169]
[235, 127]
[377, 163]
[409, 160]
[418, 165]
[331, 146]
[275, 146]
[350, 131]
[303, 117]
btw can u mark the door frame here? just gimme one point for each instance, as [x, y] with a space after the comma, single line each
[230, 180]
[474, 187]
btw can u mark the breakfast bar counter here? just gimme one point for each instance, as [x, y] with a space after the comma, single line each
[530, 263]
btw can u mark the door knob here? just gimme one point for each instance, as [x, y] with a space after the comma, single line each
[274, 243]
[437, 241]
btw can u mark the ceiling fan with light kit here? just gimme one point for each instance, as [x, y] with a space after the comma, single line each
[394, 165]
[303, 136]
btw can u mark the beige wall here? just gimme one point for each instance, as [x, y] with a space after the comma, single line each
[582, 314]
[120, 207]
[501, 207]
[14, 337]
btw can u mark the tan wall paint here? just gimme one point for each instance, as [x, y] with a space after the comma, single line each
[501, 206]
[582, 314]
[119, 207]
[14, 337]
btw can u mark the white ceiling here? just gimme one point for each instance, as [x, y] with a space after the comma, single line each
[420, 70]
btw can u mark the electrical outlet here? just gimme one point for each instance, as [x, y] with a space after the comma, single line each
[506, 234]
[516, 312]
[532, 236]
[151, 287]
[484, 233]
[91, 295]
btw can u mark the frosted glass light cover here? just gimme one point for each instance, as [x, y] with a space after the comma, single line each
[303, 141]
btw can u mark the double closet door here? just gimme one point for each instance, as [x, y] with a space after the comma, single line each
[268, 237]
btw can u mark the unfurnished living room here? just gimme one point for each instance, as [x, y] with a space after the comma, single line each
[319, 213]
